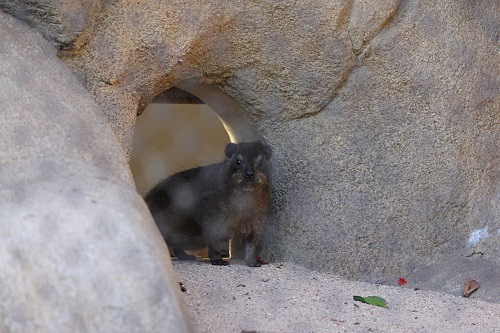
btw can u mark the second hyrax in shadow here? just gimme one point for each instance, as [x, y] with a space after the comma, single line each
[207, 206]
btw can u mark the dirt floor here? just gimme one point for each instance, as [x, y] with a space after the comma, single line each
[283, 297]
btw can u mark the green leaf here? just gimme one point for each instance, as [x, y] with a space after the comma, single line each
[359, 299]
[373, 300]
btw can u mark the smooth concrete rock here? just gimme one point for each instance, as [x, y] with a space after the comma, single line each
[79, 250]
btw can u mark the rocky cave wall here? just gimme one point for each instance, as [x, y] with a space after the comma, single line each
[383, 115]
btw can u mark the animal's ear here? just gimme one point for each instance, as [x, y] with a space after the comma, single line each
[230, 149]
[267, 151]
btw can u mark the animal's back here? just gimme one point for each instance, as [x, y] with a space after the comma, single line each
[181, 203]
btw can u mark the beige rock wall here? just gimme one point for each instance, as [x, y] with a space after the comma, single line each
[404, 159]
[383, 116]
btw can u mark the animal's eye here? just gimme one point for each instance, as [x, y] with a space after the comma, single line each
[259, 162]
[238, 163]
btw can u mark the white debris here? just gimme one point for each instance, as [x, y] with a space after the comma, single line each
[477, 235]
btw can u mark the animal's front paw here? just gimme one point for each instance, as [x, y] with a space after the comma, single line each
[220, 262]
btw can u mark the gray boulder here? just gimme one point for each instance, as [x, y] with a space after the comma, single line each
[79, 250]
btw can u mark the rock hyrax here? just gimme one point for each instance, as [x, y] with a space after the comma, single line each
[208, 205]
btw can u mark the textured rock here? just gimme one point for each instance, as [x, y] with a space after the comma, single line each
[402, 165]
[254, 48]
[79, 250]
[368, 18]
[383, 116]
[59, 21]
[137, 52]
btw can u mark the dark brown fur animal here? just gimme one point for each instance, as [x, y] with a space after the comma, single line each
[209, 205]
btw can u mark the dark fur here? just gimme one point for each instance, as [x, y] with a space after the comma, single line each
[209, 205]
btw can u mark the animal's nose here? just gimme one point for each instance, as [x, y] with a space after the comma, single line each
[249, 173]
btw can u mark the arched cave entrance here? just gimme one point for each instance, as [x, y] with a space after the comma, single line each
[185, 127]
[176, 132]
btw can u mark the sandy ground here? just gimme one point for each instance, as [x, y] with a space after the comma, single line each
[283, 297]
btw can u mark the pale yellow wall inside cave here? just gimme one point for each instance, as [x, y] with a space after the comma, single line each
[170, 138]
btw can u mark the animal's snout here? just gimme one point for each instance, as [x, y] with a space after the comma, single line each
[249, 174]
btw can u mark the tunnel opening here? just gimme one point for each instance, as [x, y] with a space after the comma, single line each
[186, 127]
[173, 134]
